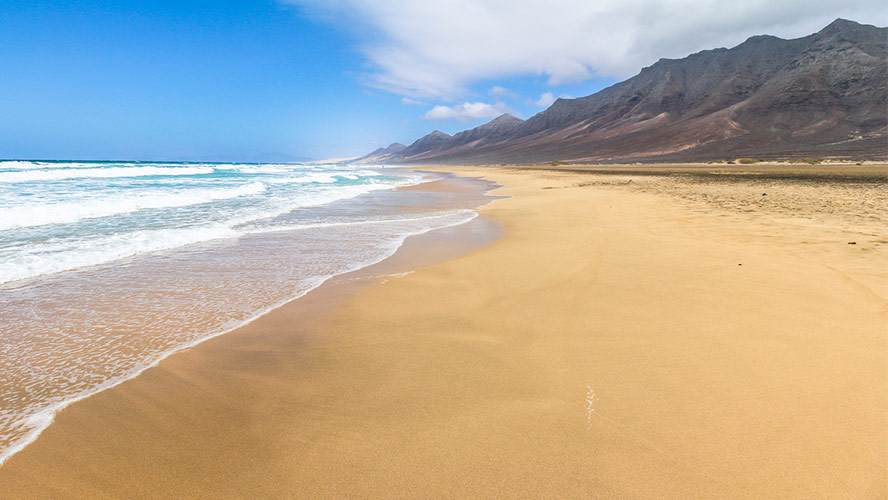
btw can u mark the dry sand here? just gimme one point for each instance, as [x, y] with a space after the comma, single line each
[609, 345]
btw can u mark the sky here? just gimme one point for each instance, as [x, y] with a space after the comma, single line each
[277, 80]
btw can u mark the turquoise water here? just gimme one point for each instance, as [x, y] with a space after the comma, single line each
[59, 216]
[107, 268]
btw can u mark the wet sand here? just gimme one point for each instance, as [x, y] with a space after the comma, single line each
[619, 340]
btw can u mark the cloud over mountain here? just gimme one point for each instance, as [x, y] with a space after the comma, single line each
[466, 111]
[545, 100]
[438, 49]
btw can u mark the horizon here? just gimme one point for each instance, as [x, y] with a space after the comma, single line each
[294, 81]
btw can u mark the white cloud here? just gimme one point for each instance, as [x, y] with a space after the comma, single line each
[409, 101]
[466, 111]
[437, 49]
[503, 92]
[545, 100]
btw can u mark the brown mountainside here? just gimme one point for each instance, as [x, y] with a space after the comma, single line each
[823, 95]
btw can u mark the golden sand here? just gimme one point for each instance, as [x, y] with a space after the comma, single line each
[618, 341]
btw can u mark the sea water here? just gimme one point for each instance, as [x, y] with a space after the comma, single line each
[108, 267]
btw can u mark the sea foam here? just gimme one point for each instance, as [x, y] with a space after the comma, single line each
[66, 212]
[65, 216]
[97, 173]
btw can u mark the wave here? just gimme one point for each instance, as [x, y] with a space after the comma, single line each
[325, 178]
[265, 168]
[313, 199]
[98, 173]
[308, 179]
[70, 254]
[30, 258]
[69, 212]
[55, 257]
[33, 165]
[22, 164]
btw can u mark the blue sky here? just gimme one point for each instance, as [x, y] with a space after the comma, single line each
[254, 80]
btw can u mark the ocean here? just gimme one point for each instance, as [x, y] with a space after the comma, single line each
[108, 267]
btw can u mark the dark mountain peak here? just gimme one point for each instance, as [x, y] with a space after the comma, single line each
[843, 33]
[382, 154]
[841, 25]
[502, 122]
[503, 126]
[377, 151]
[757, 39]
[562, 103]
[666, 62]
[845, 30]
[504, 118]
[391, 148]
[434, 141]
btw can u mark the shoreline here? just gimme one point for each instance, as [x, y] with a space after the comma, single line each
[608, 344]
[42, 420]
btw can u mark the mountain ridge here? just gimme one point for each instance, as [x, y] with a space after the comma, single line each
[766, 97]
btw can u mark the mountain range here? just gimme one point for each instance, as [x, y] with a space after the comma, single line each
[823, 95]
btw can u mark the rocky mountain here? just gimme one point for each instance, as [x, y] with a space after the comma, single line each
[382, 155]
[498, 129]
[432, 143]
[822, 95]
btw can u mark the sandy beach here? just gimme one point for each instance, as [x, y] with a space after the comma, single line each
[597, 334]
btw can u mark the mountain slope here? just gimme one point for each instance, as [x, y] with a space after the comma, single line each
[825, 94]
[381, 155]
